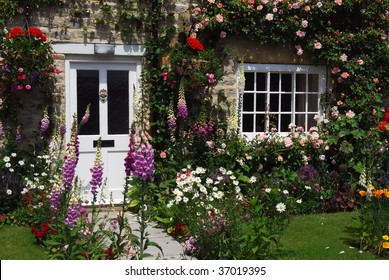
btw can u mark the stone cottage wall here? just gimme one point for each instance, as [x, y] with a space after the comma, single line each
[75, 22]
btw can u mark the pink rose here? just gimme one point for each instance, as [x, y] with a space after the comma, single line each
[300, 33]
[269, 16]
[304, 23]
[335, 70]
[317, 45]
[345, 75]
[219, 18]
[27, 87]
[350, 114]
[343, 57]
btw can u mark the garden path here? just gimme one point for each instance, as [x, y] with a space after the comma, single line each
[171, 248]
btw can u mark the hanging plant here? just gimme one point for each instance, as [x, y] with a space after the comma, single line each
[26, 59]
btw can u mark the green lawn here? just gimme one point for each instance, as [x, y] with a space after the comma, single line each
[17, 243]
[310, 237]
[324, 237]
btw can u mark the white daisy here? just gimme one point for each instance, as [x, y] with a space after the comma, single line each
[268, 190]
[9, 192]
[6, 159]
[253, 179]
[280, 207]
[185, 199]
[299, 201]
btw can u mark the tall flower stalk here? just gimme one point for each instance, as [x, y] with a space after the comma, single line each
[182, 110]
[139, 165]
[71, 157]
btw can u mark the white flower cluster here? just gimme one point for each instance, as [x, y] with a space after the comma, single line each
[193, 186]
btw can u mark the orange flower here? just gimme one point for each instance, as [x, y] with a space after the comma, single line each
[362, 193]
[385, 245]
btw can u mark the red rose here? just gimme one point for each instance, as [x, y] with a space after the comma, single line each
[194, 44]
[16, 31]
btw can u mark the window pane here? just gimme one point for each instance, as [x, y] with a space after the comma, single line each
[260, 123]
[248, 123]
[313, 82]
[300, 103]
[300, 120]
[248, 102]
[286, 82]
[301, 82]
[274, 102]
[261, 102]
[313, 102]
[274, 82]
[311, 121]
[286, 102]
[261, 81]
[118, 106]
[285, 121]
[249, 81]
[273, 121]
[88, 93]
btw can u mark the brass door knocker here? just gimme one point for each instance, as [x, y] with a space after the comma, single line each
[103, 95]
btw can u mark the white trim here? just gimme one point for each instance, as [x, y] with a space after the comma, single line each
[92, 61]
[85, 49]
[281, 68]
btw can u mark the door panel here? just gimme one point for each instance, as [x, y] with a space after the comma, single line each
[110, 119]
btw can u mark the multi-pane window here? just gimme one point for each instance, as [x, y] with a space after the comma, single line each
[278, 95]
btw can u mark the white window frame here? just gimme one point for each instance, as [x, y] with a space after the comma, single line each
[282, 69]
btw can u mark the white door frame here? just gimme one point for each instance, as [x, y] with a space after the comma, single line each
[91, 62]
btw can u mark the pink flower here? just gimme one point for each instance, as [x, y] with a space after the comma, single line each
[27, 87]
[57, 71]
[22, 77]
[288, 142]
[350, 114]
[264, 2]
[219, 18]
[280, 158]
[223, 34]
[300, 33]
[54, 56]
[163, 154]
[338, 2]
[343, 57]
[304, 23]
[219, 5]
[307, 8]
[345, 75]
[360, 61]
[269, 16]
[335, 70]
[20, 70]
[251, 1]
[211, 1]
[340, 102]
[164, 75]
[299, 50]
[317, 45]
[20, 87]
[260, 8]
[211, 79]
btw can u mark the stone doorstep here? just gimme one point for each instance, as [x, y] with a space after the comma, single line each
[171, 248]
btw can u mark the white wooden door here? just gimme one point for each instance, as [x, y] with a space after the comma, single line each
[108, 88]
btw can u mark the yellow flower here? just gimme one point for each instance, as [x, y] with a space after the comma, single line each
[385, 245]
[385, 237]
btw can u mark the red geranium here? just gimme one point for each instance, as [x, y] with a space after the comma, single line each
[194, 44]
[384, 125]
[16, 31]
